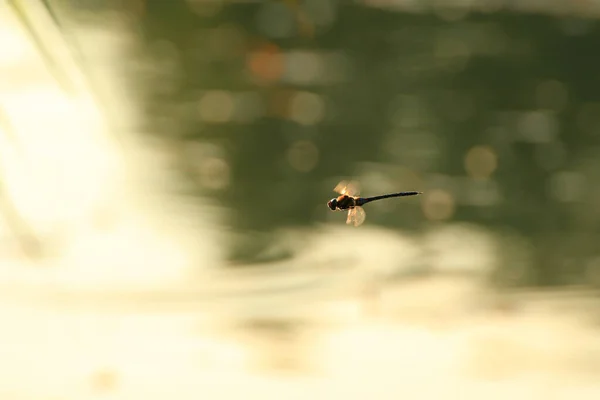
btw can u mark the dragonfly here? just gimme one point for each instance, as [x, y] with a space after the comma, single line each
[350, 200]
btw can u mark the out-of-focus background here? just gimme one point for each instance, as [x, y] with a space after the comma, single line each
[165, 166]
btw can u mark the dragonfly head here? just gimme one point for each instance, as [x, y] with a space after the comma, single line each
[332, 204]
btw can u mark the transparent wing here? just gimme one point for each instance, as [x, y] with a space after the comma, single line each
[356, 216]
[348, 188]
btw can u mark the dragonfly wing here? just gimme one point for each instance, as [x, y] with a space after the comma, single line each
[356, 216]
[359, 215]
[350, 217]
[347, 188]
[341, 187]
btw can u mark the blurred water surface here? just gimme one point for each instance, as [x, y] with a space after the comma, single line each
[165, 168]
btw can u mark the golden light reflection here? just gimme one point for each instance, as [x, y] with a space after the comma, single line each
[266, 63]
[104, 380]
[481, 162]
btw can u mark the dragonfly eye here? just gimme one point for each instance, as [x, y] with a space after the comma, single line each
[332, 204]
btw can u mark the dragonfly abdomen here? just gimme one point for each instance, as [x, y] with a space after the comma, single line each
[364, 200]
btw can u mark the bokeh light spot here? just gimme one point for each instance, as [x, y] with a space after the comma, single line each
[214, 173]
[104, 381]
[303, 155]
[209, 163]
[438, 205]
[205, 8]
[450, 12]
[481, 162]
[216, 106]
[302, 67]
[320, 12]
[307, 108]
[538, 126]
[266, 63]
[276, 20]
[577, 26]
[481, 193]
[566, 186]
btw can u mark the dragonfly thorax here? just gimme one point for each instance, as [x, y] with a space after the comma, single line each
[342, 202]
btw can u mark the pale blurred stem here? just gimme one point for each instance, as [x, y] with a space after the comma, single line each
[22, 232]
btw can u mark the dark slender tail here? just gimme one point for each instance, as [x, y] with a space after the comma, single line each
[365, 200]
